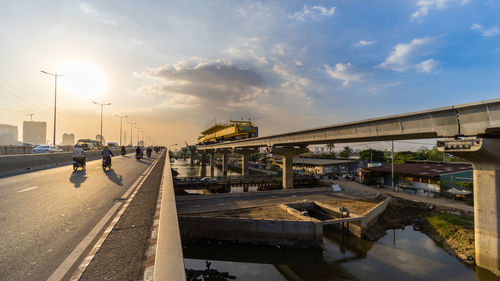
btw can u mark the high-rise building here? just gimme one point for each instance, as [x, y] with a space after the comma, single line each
[68, 139]
[35, 132]
[8, 134]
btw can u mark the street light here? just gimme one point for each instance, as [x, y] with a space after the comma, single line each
[121, 121]
[55, 100]
[131, 123]
[102, 105]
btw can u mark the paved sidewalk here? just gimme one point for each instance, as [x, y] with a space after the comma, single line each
[360, 190]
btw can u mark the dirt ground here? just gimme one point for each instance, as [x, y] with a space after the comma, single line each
[273, 212]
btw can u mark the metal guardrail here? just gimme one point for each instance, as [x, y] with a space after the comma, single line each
[169, 261]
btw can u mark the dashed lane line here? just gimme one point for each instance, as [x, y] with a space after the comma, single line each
[28, 189]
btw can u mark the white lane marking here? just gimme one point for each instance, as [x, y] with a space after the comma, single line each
[77, 252]
[28, 189]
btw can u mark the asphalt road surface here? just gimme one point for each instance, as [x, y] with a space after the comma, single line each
[44, 215]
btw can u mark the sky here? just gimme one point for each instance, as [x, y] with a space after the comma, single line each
[173, 67]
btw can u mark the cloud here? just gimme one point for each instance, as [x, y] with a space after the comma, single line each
[426, 5]
[407, 56]
[363, 43]
[343, 72]
[490, 32]
[426, 65]
[89, 10]
[314, 12]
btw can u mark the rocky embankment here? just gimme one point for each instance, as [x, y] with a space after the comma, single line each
[451, 229]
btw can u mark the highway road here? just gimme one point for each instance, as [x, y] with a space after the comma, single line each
[45, 215]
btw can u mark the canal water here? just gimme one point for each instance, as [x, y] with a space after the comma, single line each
[402, 254]
[186, 170]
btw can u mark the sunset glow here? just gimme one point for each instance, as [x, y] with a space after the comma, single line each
[82, 78]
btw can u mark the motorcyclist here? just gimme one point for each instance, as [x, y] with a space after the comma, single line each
[138, 151]
[79, 154]
[123, 151]
[106, 154]
[149, 150]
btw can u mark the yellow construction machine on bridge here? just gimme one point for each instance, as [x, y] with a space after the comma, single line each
[233, 130]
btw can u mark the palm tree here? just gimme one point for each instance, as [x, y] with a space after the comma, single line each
[330, 148]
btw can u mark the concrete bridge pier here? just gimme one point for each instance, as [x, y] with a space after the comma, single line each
[245, 153]
[484, 154]
[203, 163]
[212, 164]
[288, 153]
[225, 154]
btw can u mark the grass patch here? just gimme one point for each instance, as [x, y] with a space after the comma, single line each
[447, 224]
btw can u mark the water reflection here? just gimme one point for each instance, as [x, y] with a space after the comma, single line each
[186, 170]
[403, 254]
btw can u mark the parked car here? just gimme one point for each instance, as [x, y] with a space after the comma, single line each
[46, 149]
[207, 179]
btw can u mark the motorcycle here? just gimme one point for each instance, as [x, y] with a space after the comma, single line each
[138, 157]
[123, 152]
[106, 163]
[148, 153]
[78, 163]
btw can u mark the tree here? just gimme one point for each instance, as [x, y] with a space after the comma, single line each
[330, 148]
[346, 153]
[376, 155]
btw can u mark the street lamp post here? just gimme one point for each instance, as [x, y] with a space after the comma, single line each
[121, 122]
[102, 105]
[55, 100]
[131, 123]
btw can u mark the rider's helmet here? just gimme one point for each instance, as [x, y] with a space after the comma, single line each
[106, 146]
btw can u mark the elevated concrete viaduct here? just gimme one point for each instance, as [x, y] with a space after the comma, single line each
[470, 131]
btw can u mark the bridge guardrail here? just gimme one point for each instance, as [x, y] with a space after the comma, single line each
[169, 260]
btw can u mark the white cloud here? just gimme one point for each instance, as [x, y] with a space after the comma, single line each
[426, 65]
[89, 10]
[314, 12]
[363, 43]
[406, 56]
[490, 32]
[426, 5]
[278, 50]
[343, 72]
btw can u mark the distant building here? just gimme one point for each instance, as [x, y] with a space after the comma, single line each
[68, 139]
[8, 135]
[322, 166]
[35, 132]
[422, 175]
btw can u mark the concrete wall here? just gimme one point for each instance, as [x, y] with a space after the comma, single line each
[301, 234]
[370, 218]
[14, 164]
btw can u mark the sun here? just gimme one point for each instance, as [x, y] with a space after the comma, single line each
[82, 78]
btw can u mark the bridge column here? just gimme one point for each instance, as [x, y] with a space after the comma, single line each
[203, 163]
[484, 154]
[246, 153]
[212, 164]
[287, 154]
[224, 162]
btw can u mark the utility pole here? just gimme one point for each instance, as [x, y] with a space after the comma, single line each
[102, 105]
[55, 100]
[121, 122]
[131, 123]
[392, 165]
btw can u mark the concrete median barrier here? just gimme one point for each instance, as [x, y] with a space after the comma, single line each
[16, 164]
